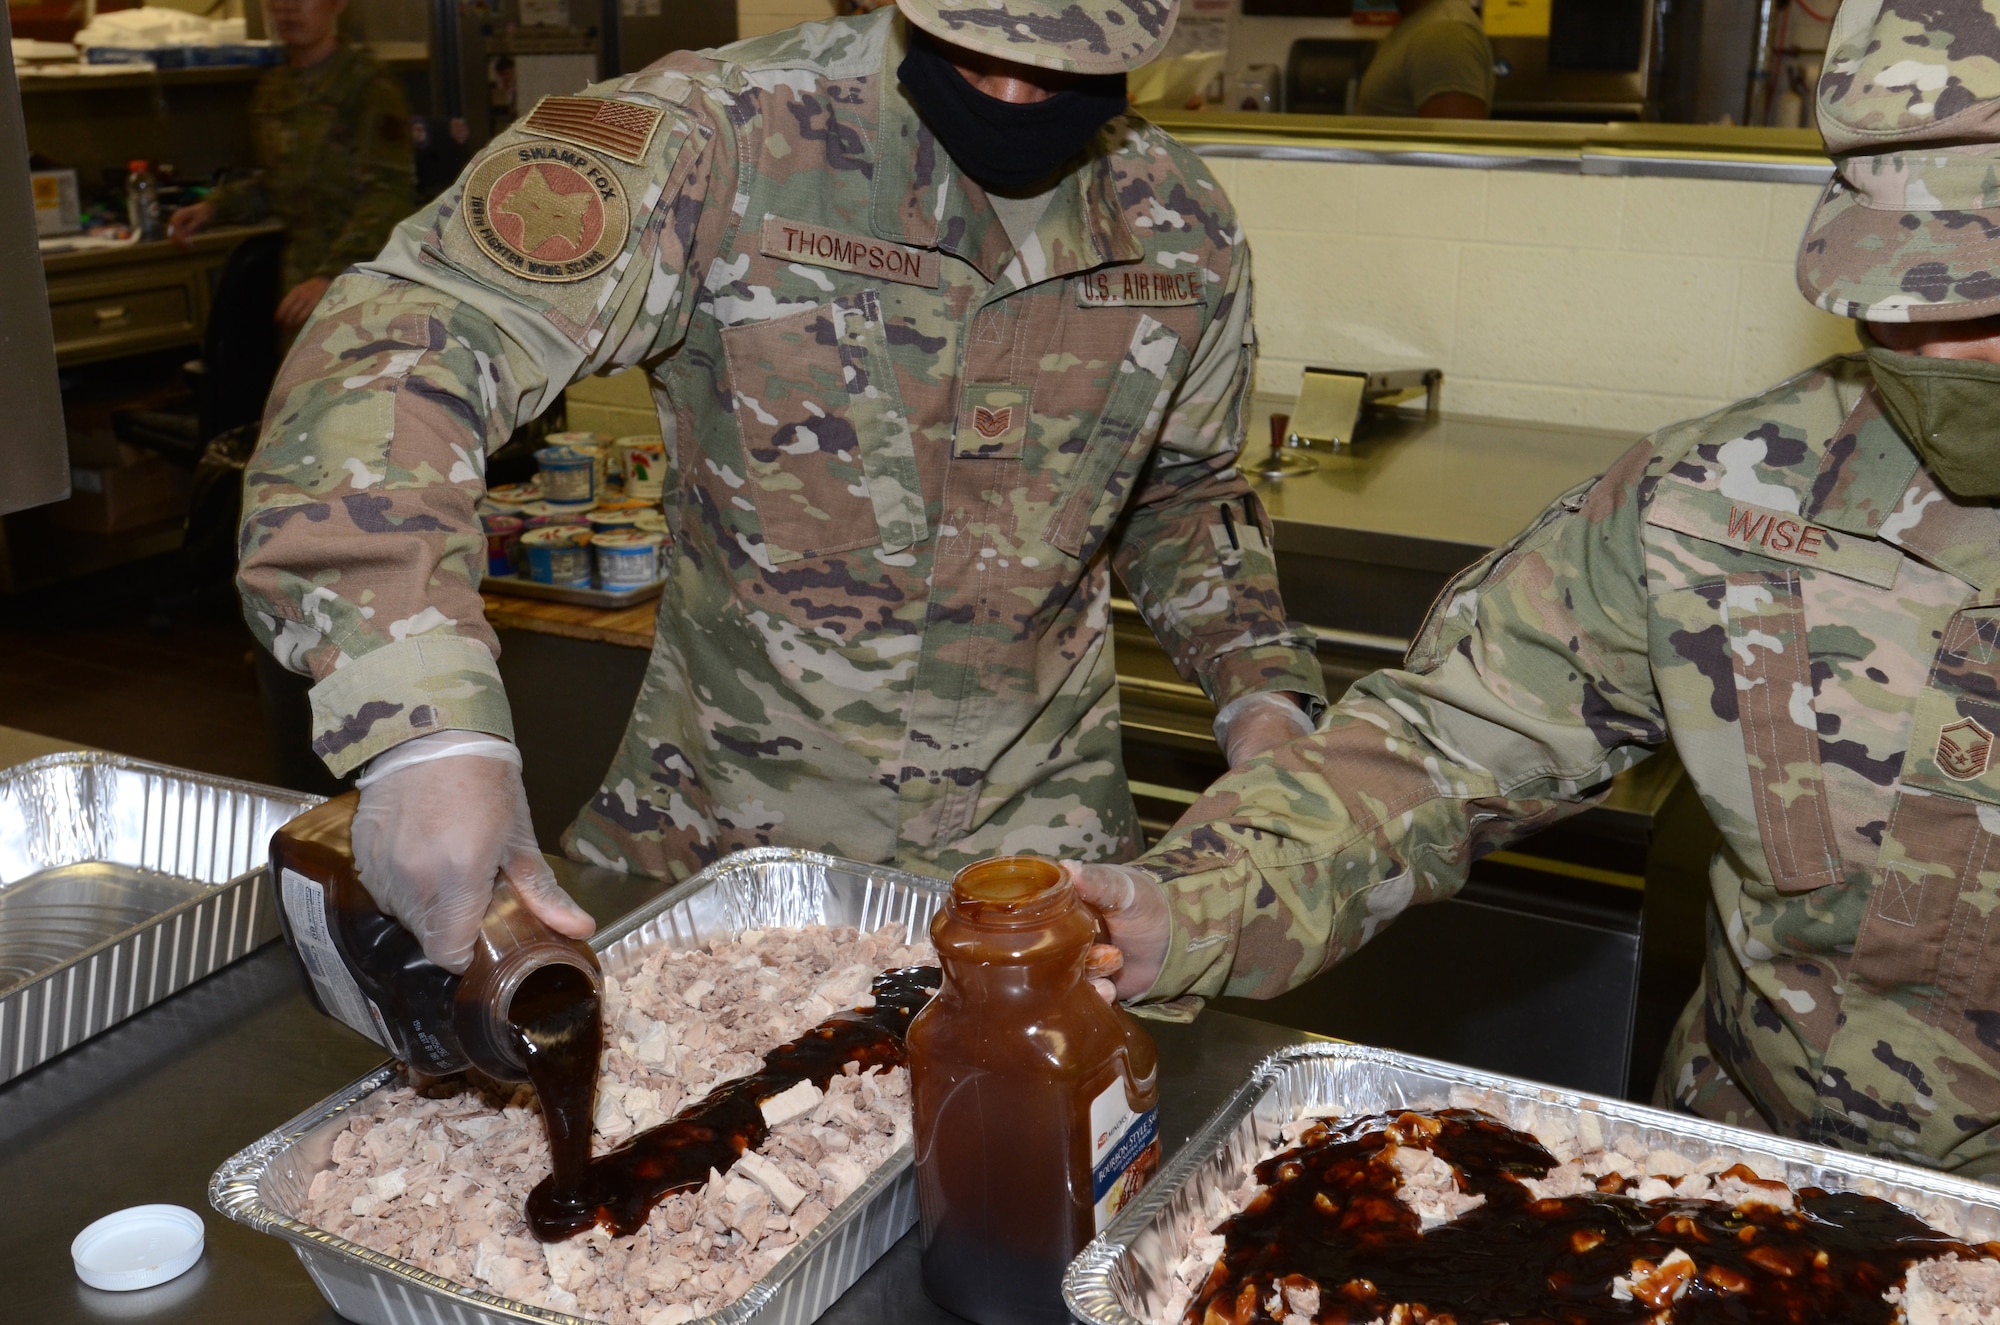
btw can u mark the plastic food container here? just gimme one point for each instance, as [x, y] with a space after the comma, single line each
[558, 554]
[569, 476]
[597, 446]
[509, 498]
[608, 516]
[503, 536]
[627, 558]
[542, 514]
[643, 462]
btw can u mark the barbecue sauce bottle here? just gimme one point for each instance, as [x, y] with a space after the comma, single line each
[1036, 1103]
[523, 1003]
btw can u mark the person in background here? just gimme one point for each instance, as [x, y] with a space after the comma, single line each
[1798, 592]
[1436, 63]
[949, 335]
[333, 152]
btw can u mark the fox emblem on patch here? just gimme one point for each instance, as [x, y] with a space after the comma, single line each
[992, 423]
[1963, 748]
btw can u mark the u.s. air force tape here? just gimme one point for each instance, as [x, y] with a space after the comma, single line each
[546, 212]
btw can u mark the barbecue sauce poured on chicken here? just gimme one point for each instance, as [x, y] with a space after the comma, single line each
[560, 1021]
[619, 1188]
[1329, 1213]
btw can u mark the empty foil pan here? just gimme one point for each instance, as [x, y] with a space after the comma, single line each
[121, 882]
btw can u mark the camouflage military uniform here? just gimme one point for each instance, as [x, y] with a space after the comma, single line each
[1784, 592]
[334, 163]
[909, 454]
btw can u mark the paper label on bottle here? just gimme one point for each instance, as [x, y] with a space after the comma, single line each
[305, 907]
[1124, 1151]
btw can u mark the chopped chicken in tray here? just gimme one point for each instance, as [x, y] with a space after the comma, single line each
[1453, 1217]
[440, 1182]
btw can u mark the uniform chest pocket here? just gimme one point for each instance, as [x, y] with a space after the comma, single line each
[831, 465]
[1933, 921]
[1098, 483]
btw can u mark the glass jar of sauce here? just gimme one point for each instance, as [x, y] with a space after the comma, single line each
[1036, 1103]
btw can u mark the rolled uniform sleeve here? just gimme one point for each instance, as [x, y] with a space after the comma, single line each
[385, 177]
[1195, 551]
[361, 549]
[1528, 689]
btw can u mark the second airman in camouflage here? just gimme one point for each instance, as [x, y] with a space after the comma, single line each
[1801, 593]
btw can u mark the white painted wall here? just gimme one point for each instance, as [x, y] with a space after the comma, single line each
[1593, 300]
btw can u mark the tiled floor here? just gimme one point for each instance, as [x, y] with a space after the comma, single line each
[85, 662]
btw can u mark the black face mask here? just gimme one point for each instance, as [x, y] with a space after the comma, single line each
[1005, 147]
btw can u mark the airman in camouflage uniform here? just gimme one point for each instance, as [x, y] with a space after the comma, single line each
[911, 449]
[1786, 593]
[334, 163]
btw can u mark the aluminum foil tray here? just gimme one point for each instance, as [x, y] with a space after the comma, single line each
[264, 1185]
[121, 882]
[1126, 1274]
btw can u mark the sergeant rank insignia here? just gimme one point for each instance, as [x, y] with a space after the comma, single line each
[1963, 748]
[546, 212]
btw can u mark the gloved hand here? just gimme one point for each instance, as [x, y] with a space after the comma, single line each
[441, 817]
[1252, 724]
[1133, 908]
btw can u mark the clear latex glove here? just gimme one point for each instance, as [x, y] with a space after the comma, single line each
[441, 817]
[1252, 724]
[1133, 909]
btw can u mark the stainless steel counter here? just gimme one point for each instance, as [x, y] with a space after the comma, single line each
[146, 1111]
[1365, 543]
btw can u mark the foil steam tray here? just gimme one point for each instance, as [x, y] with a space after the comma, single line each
[264, 1185]
[121, 882]
[1125, 1276]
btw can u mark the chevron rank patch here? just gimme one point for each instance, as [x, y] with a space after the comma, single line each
[621, 129]
[992, 422]
[1963, 748]
[547, 213]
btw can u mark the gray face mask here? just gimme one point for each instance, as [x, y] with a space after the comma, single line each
[1949, 412]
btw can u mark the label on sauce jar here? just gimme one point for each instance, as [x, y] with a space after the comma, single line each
[305, 907]
[1124, 1151]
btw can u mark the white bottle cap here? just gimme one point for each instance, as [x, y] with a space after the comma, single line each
[138, 1248]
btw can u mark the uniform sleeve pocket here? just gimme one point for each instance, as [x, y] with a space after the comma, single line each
[826, 443]
[1101, 480]
[1774, 697]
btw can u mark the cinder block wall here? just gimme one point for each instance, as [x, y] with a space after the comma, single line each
[1593, 300]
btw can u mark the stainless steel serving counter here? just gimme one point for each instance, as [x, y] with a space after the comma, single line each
[145, 1112]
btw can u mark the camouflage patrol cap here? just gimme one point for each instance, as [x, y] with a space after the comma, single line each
[1908, 229]
[1075, 36]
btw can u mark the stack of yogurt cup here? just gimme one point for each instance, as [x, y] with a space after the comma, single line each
[591, 518]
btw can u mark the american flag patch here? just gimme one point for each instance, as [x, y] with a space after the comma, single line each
[623, 129]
